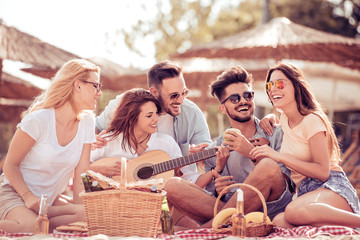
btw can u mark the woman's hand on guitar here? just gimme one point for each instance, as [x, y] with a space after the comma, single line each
[100, 141]
[197, 148]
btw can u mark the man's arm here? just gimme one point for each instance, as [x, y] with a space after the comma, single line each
[268, 123]
[104, 119]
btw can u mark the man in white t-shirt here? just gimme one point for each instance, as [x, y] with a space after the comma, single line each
[181, 118]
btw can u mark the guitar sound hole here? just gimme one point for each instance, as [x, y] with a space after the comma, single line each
[145, 173]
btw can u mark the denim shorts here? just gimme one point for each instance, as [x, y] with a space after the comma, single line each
[277, 206]
[337, 182]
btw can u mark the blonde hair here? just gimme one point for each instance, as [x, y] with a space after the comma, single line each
[306, 101]
[61, 88]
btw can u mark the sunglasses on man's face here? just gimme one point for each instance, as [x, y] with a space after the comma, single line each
[235, 98]
[280, 84]
[175, 96]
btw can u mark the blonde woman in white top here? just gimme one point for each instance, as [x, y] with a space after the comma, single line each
[51, 143]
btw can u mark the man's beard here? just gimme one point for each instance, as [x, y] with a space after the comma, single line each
[165, 108]
[239, 119]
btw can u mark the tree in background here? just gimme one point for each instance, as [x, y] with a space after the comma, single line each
[180, 25]
[328, 16]
[350, 11]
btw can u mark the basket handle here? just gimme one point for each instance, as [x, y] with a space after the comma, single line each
[123, 181]
[244, 185]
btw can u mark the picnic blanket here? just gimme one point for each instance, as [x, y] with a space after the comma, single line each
[278, 233]
[303, 232]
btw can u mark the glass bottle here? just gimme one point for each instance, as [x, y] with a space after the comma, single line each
[238, 220]
[153, 189]
[166, 219]
[86, 181]
[95, 186]
[42, 221]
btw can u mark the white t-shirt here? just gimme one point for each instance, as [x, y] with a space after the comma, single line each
[166, 125]
[157, 141]
[48, 166]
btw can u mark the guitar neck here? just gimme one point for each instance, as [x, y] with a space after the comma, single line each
[183, 161]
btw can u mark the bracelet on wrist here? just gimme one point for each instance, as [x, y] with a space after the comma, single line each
[220, 172]
[22, 195]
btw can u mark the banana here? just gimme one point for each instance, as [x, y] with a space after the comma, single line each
[223, 217]
[256, 217]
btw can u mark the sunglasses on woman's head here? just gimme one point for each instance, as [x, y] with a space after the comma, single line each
[280, 84]
[235, 98]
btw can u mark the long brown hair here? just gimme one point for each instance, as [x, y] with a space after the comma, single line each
[127, 114]
[306, 101]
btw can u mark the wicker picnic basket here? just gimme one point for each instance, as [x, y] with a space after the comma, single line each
[123, 212]
[252, 229]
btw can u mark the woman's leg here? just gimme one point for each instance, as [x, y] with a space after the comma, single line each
[19, 219]
[63, 215]
[321, 207]
[280, 221]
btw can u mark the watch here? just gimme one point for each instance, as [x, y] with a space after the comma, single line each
[213, 168]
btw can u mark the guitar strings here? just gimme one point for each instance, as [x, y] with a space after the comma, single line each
[157, 168]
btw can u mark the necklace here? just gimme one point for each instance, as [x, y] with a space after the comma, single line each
[147, 136]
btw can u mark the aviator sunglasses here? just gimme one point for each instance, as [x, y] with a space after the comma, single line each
[235, 98]
[280, 84]
[96, 85]
[175, 96]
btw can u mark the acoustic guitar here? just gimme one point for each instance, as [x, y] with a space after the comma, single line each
[155, 164]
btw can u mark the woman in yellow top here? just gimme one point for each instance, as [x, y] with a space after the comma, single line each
[310, 149]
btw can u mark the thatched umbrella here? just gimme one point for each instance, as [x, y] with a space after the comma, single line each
[16, 95]
[113, 76]
[20, 46]
[15, 88]
[282, 39]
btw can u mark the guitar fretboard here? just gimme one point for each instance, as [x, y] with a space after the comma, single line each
[183, 161]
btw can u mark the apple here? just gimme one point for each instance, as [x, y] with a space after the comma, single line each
[227, 133]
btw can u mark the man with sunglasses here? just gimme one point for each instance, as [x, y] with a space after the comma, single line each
[233, 90]
[180, 118]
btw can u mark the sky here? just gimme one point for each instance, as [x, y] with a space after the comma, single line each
[84, 27]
